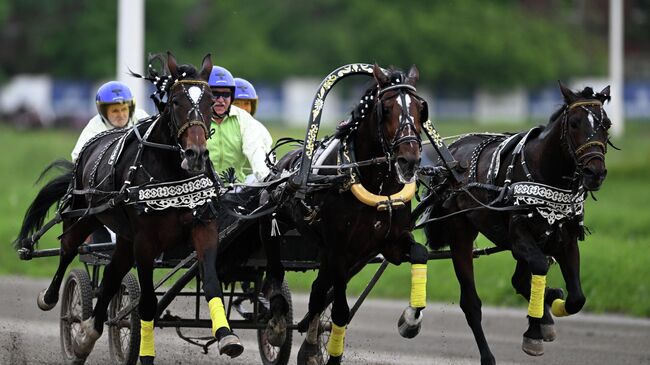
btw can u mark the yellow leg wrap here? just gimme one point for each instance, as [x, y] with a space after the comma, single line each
[418, 285]
[536, 302]
[217, 314]
[558, 309]
[147, 347]
[337, 340]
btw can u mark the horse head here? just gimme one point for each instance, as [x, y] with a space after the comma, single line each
[584, 133]
[189, 108]
[400, 113]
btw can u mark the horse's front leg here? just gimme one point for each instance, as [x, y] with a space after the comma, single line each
[91, 329]
[410, 321]
[525, 248]
[569, 261]
[205, 237]
[145, 254]
[521, 283]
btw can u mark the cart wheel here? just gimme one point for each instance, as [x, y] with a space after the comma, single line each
[277, 355]
[324, 331]
[124, 336]
[76, 306]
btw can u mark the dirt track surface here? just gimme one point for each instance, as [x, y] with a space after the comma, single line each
[30, 336]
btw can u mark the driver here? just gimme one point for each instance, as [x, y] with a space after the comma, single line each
[239, 139]
[116, 109]
[245, 96]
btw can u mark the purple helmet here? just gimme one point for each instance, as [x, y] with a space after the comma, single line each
[245, 91]
[220, 77]
[113, 92]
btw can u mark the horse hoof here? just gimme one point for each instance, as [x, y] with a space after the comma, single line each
[548, 332]
[276, 331]
[309, 354]
[532, 347]
[334, 360]
[231, 346]
[85, 340]
[40, 300]
[408, 324]
[146, 360]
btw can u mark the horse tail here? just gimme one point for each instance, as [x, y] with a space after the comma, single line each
[50, 194]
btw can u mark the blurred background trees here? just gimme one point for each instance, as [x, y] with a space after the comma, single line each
[456, 44]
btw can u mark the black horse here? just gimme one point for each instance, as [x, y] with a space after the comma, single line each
[525, 193]
[155, 187]
[357, 212]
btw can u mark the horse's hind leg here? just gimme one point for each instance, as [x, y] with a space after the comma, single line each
[276, 330]
[73, 236]
[92, 328]
[310, 352]
[470, 302]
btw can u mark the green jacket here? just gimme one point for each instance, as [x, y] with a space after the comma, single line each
[240, 141]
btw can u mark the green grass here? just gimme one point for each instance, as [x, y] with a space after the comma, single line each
[614, 257]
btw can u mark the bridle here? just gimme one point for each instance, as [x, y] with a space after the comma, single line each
[194, 115]
[579, 155]
[406, 131]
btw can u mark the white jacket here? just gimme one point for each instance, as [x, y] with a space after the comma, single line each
[256, 141]
[97, 125]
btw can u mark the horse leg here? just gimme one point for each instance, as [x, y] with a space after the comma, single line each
[340, 315]
[91, 329]
[309, 352]
[73, 236]
[204, 237]
[524, 248]
[470, 302]
[521, 284]
[276, 329]
[569, 261]
[410, 321]
[145, 254]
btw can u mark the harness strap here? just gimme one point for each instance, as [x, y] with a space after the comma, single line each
[585, 103]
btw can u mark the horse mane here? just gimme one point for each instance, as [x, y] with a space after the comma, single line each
[366, 103]
[158, 74]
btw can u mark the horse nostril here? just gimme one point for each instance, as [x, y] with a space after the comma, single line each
[190, 154]
[588, 172]
[402, 161]
[205, 154]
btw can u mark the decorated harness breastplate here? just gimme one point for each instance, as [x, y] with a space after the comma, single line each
[189, 193]
[552, 203]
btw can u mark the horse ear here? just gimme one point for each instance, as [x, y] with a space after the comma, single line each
[380, 76]
[206, 67]
[569, 96]
[413, 76]
[172, 65]
[603, 95]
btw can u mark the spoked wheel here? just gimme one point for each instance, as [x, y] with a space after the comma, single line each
[324, 331]
[76, 306]
[277, 355]
[124, 335]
